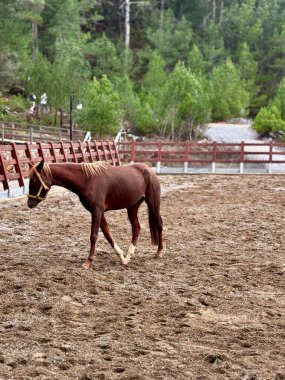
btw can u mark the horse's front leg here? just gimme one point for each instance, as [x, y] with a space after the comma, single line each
[96, 220]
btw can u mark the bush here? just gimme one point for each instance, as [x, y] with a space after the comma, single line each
[268, 120]
[15, 103]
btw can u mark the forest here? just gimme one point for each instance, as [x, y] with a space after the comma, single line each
[160, 68]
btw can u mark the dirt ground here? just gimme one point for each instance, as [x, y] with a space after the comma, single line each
[212, 308]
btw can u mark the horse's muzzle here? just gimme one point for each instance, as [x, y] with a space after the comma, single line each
[32, 203]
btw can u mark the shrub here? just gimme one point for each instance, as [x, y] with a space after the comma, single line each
[268, 120]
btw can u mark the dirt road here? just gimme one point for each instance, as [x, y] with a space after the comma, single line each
[212, 308]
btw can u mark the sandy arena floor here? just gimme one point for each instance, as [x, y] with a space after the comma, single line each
[212, 308]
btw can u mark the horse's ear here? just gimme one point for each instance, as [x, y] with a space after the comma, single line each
[40, 165]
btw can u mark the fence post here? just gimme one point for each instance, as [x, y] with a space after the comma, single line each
[31, 135]
[186, 156]
[4, 171]
[270, 157]
[133, 152]
[13, 132]
[158, 162]
[214, 157]
[3, 132]
[241, 165]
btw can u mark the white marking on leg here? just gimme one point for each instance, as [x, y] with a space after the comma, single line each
[131, 252]
[120, 253]
[131, 249]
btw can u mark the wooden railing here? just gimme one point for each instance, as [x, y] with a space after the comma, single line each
[190, 155]
[16, 132]
[14, 158]
[167, 157]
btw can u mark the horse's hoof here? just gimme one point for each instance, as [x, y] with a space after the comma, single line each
[125, 261]
[86, 265]
[158, 255]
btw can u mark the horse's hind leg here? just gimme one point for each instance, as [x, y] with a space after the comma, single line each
[106, 231]
[133, 217]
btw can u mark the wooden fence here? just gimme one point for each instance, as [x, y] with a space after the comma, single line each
[16, 132]
[191, 156]
[167, 157]
[14, 158]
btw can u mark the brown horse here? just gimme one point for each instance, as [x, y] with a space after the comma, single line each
[102, 187]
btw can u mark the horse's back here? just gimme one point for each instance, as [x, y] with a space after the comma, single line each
[128, 184]
[139, 172]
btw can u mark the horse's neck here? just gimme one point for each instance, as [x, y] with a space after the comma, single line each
[69, 176]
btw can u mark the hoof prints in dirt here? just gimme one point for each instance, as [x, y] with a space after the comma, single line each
[211, 308]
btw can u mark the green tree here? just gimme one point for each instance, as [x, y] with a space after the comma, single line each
[148, 101]
[70, 72]
[14, 43]
[32, 14]
[9, 67]
[230, 97]
[196, 61]
[242, 23]
[279, 99]
[248, 68]
[172, 39]
[101, 111]
[185, 104]
[153, 80]
[133, 111]
[212, 46]
[40, 76]
[104, 58]
[61, 25]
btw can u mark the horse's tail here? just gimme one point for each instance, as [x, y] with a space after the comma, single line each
[152, 198]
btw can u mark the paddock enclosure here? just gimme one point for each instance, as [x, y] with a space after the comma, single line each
[212, 308]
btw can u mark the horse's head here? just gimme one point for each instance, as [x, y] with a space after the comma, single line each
[40, 184]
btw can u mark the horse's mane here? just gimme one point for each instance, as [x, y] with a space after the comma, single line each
[46, 170]
[90, 169]
[93, 169]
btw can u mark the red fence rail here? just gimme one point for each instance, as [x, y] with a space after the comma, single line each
[14, 158]
[195, 154]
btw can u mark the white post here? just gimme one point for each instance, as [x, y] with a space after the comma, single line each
[158, 167]
[213, 167]
[185, 167]
[241, 167]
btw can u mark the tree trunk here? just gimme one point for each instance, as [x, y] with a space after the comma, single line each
[162, 5]
[61, 118]
[214, 10]
[127, 31]
[222, 12]
[55, 118]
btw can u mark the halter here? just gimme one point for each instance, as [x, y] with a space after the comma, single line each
[43, 186]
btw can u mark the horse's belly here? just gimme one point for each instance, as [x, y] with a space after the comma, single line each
[128, 187]
[124, 199]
